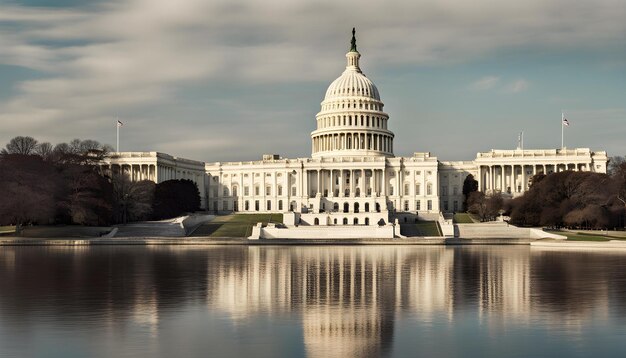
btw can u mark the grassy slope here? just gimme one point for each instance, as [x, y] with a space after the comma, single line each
[7, 229]
[236, 225]
[428, 228]
[581, 236]
[463, 218]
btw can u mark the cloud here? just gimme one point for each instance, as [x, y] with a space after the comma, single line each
[142, 56]
[485, 83]
[517, 86]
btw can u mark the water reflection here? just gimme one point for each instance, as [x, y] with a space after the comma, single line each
[345, 301]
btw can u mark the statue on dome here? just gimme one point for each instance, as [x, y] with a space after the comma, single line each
[353, 41]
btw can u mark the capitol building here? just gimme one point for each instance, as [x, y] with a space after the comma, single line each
[353, 176]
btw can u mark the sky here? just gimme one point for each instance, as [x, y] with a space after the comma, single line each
[227, 80]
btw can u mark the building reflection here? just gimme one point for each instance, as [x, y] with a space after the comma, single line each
[347, 300]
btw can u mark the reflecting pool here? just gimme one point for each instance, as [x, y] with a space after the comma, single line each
[309, 301]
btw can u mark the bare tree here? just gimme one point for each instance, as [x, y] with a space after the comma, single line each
[132, 200]
[21, 145]
[614, 164]
[44, 150]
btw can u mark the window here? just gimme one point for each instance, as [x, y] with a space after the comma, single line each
[445, 205]
[406, 189]
[406, 205]
[293, 191]
[444, 191]
[429, 204]
[429, 189]
[246, 205]
[234, 191]
[280, 205]
[418, 189]
[280, 190]
[268, 190]
[246, 190]
[225, 191]
[269, 205]
[455, 190]
[224, 205]
[417, 205]
[391, 190]
[455, 206]
[257, 190]
[256, 205]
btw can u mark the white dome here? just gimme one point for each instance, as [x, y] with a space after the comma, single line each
[351, 122]
[352, 83]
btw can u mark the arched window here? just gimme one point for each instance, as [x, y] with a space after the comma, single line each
[356, 221]
[367, 221]
[280, 190]
[357, 192]
[280, 205]
[345, 221]
[336, 207]
[377, 207]
[367, 207]
[225, 191]
[346, 207]
[235, 190]
[356, 207]
[335, 221]
[316, 221]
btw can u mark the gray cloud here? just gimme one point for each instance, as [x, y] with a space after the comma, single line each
[135, 57]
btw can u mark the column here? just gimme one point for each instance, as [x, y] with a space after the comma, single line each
[384, 184]
[363, 182]
[352, 180]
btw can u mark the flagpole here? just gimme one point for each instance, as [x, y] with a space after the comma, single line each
[562, 127]
[117, 125]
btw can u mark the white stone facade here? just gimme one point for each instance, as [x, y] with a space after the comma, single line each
[353, 176]
[157, 167]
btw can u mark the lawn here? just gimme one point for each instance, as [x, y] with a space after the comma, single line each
[581, 236]
[463, 218]
[235, 225]
[428, 228]
[7, 229]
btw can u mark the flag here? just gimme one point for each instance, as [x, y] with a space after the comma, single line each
[119, 123]
[564, 120]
